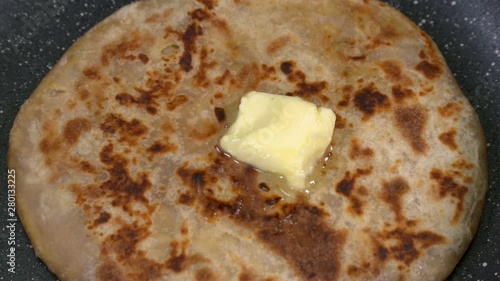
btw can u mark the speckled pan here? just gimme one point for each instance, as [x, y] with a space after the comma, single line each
[35, 35]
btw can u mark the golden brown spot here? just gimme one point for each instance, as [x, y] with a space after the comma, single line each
[91, 73]
[176, 101]
[410, 122]
[117, 80]
[277, 44]
[199, 14]
[369, 101]
[246, 275]
[448, 187]
[344, 102]
[357, 58]
[223, 78]
[429, 70]
[210, 4]
[109, 271]
[205, 131]
[84, 94]
[341, 122]
[392, 194]
[122, 50]
[401, 94]
[74, 129]
[200, 79]
[426, 90]
[205, 274]
[448, 139]
[450, 109]
[359, 152]
[392, 70]
[358, 271]
[159, 16]
[462, 165]
[146, 100]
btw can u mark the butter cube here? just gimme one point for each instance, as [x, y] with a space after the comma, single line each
[280, 134]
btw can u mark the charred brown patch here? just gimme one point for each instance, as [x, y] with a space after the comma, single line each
[189, 40]
[186, 199]
[346, 187]
[429, 70]
[220, 114]
[450, 109]
[74, 129]
[103, 218]
[297, 232]
[277, 44]
[410, 122]
[369, 101]
[357, 151]
[129, 131]
[264, 187]
[406, 246]
[86, 167]
[159, 148]
[201, 79]
[143, 58]
[401, 94]
[448, 139]
[303, 88]
[176, 101]
[392, 194]
[145, 100]
[447, 186]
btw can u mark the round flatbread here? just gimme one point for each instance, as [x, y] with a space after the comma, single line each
[120, 175]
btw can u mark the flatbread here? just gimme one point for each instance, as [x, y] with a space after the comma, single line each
[120, 175]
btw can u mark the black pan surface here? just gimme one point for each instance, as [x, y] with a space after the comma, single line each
[35, 33]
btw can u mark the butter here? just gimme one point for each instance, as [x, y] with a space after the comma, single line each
[280, 134]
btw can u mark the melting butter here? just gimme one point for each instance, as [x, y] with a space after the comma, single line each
[280, 134]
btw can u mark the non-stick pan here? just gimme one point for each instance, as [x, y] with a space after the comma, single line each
[35, 33]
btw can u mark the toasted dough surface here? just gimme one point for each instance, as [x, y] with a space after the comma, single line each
[117, 148]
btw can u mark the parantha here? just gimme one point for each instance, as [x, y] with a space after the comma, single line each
[121, 178]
